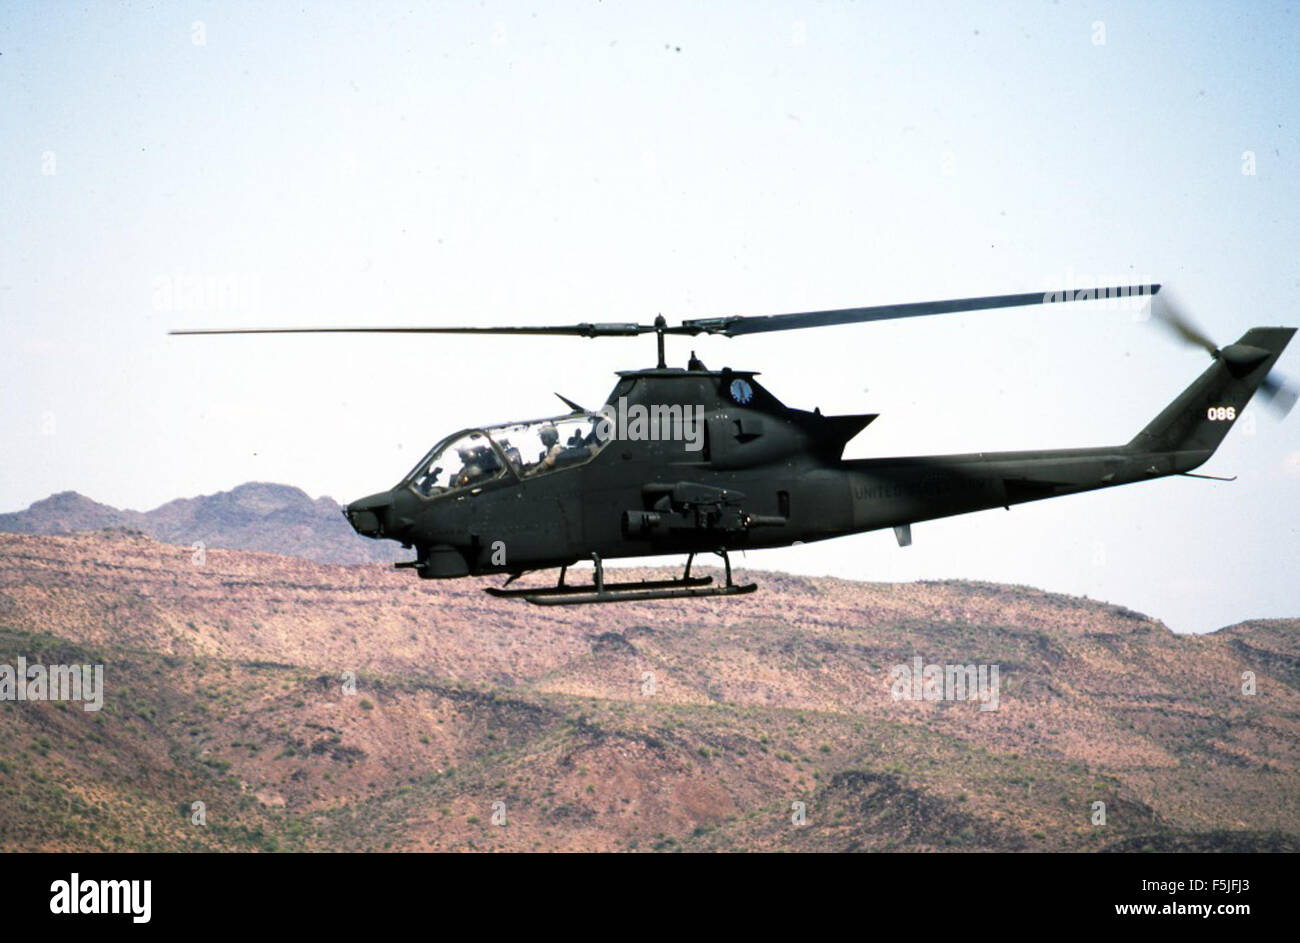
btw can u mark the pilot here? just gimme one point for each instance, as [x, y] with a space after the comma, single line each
[470, 470]
[551, 441]
[480, 463]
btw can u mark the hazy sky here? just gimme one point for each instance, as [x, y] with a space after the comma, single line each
[332, 164]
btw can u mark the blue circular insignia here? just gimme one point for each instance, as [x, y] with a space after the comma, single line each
[741, 391]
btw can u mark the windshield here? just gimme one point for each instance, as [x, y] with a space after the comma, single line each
[534, 448]
[461, 462]
[546, 445]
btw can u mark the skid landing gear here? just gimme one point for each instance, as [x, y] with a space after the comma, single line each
[684, 587]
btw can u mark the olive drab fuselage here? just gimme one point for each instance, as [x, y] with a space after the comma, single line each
[759, 474]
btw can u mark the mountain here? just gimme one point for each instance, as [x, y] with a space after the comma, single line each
[64, 513]
[254, 516]
[652, 726]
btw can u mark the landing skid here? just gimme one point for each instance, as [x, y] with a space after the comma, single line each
[684, 587]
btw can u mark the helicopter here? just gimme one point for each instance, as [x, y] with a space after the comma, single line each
[697, 461]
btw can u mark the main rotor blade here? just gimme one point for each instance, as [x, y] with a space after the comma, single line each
[737, 325]
[572, 330]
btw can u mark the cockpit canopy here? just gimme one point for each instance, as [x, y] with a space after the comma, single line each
[524, 449]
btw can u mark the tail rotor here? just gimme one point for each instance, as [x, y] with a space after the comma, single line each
[1277, 393]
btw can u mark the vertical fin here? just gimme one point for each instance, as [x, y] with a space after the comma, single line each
[1200, 417]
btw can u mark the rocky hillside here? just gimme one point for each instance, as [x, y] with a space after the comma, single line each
[652, 726]
[254, 516]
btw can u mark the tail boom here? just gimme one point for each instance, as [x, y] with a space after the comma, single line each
[897, 491]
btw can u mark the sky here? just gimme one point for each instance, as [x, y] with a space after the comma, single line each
[270, 164]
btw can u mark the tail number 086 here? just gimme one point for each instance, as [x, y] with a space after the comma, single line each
[1221, 413]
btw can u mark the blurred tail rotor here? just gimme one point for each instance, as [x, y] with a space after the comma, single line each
[1277, 393]
[1166, 309]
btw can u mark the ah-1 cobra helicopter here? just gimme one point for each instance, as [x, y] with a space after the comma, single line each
[707, 461]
